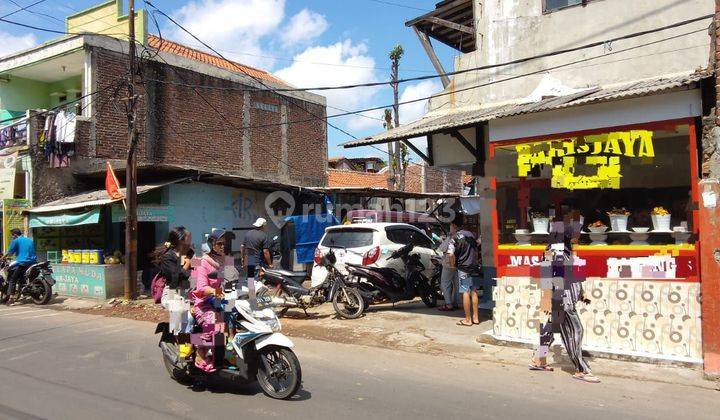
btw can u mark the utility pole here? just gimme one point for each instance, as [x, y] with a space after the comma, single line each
[391, 154]
[395, 56]
[131, 234]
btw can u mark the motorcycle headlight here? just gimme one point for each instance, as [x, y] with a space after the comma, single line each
[274, 324]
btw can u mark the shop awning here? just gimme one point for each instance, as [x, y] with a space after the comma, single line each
[442, 121]
[64, 219]
[93, 198]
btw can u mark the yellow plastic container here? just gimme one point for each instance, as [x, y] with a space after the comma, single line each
[94, 257]
[85, 256]
[185, 350]
[65, 255]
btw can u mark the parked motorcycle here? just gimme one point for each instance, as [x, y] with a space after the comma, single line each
[36, 283]
[381, 284]
[258, 351]
[286, 290]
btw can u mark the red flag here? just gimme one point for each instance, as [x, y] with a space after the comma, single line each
[112, 186]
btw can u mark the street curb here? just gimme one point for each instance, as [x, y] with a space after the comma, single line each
[489, 339]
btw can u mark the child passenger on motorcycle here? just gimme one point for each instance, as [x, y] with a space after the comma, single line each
[208, 287]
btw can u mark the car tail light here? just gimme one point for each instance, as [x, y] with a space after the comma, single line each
[371, 256]
[318, 256]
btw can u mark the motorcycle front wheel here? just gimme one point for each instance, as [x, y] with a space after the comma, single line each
[279, 373]
[41, 292]
[348, 303]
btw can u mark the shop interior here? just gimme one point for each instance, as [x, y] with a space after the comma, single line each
[633, 176]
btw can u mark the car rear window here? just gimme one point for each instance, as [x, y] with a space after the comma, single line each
[348, 238]
[404, 236]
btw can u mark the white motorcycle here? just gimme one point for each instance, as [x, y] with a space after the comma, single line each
[256, 351]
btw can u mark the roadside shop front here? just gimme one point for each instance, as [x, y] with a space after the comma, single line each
[634, 189]
[83, 237]
[623, 160]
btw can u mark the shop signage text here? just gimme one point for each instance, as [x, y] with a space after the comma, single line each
[601, 152]
[145, 213]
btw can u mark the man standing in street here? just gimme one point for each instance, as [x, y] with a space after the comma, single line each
[24, 250]
[256, 248]
[463, 254]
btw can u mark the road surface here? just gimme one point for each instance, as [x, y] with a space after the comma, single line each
[62, 365]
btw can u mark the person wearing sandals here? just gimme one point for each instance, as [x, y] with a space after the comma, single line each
[448, 276]
[561, 289]
[463, 255]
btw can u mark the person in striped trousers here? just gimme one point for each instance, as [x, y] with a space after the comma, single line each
[561, 290]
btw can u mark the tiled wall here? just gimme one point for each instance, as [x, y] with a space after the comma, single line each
[657, 318]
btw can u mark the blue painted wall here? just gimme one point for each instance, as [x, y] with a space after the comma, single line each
[201, 207]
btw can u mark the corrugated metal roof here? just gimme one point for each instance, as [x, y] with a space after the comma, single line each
[440, 121]
[93, 198]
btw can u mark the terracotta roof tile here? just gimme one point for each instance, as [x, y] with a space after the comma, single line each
[197, 55]
[339, 179]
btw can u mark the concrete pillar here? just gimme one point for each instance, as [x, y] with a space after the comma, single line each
[710, 277]
[284, 169]
[709, 218]
[246, 153]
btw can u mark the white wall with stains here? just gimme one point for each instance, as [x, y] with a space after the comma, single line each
[514, 29]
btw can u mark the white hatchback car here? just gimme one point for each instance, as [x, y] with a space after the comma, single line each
[371, 244]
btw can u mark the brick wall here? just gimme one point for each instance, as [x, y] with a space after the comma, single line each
[49, 184]
[181, 128]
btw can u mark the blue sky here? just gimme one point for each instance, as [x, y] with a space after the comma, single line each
[306, 42]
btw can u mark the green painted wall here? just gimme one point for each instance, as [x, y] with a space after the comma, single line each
[20, 94]
[63, 86]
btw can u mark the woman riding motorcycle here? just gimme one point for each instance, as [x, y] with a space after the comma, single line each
[208, 289]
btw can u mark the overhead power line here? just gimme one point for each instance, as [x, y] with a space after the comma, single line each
[45, 15]
[54, 31]
[390, 3]
[22, 8]
[260, 81]
[480, 68]
[488, 82]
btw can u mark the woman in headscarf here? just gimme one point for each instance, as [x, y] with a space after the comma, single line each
[172, 260]
[207, 289]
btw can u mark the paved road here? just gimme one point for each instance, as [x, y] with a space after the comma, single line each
[60, 365]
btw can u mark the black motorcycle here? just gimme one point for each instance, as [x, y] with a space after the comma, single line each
[286, 290]
[36, 283]
[383, 284]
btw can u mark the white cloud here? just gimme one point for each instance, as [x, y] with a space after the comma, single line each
[349, 64]
[303, 27]
[12, 43]
[415, 110]
[231, 26]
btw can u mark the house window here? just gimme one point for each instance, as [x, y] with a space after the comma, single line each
[553, 5]
[370, 166]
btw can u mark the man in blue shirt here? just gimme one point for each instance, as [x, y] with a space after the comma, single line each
[24, 250]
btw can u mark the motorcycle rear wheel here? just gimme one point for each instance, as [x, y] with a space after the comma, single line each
[279, 364]
[43, 297]
[348, 303]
